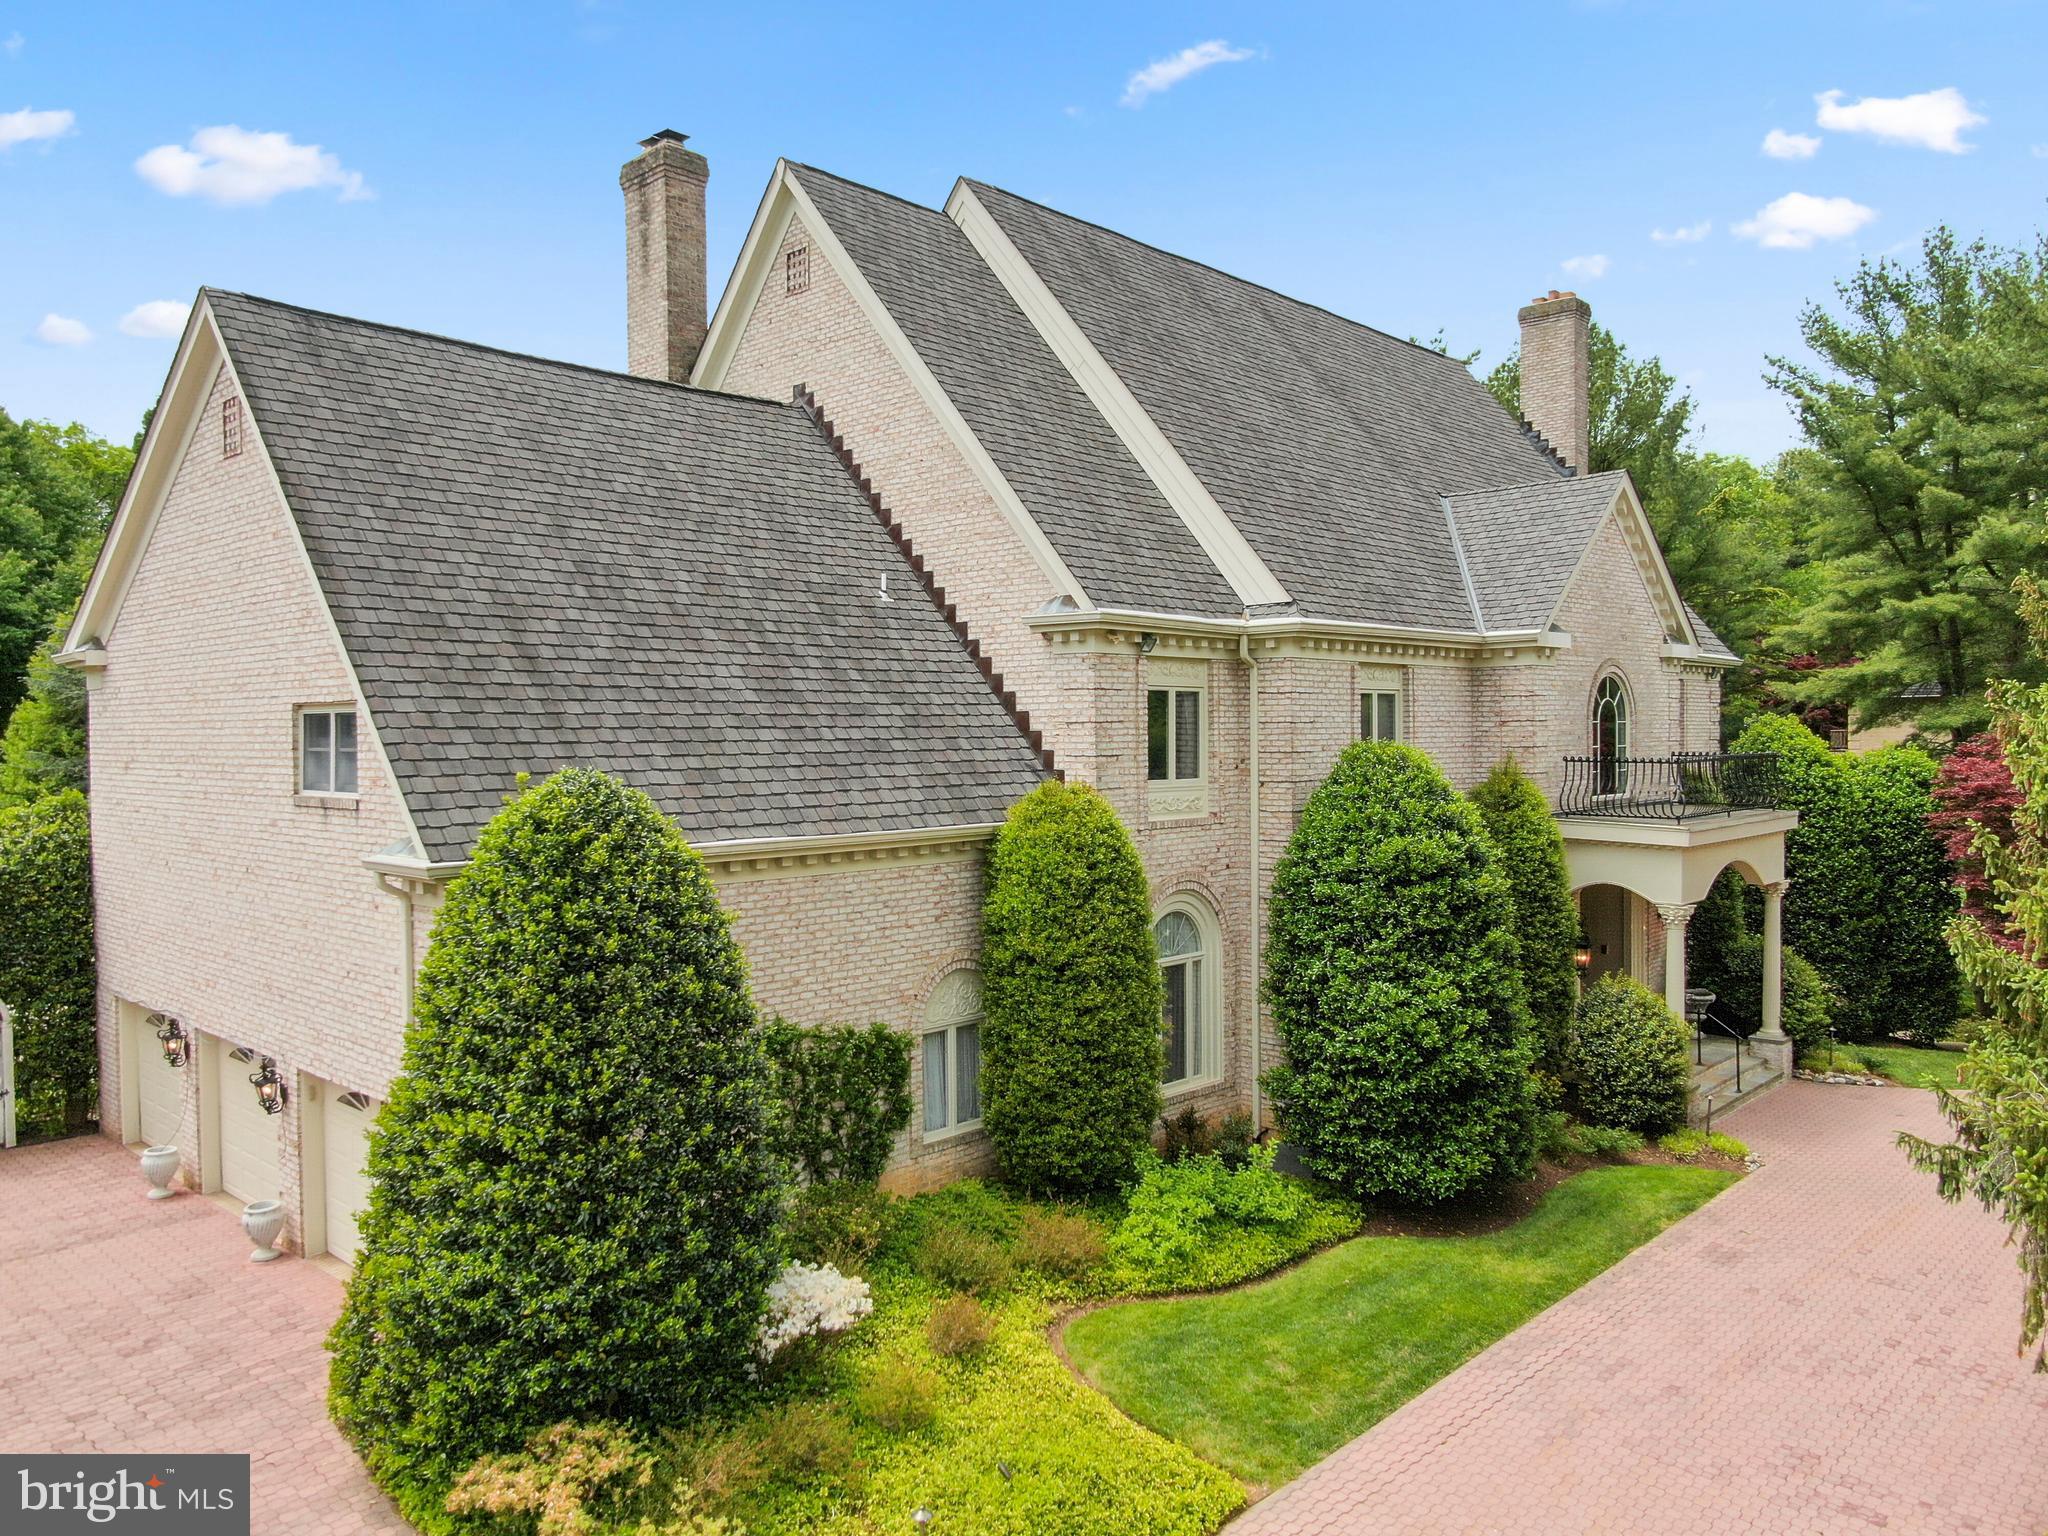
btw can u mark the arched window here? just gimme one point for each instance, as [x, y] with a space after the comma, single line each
[1610, 735]
[1187, 962]
[952, 1054]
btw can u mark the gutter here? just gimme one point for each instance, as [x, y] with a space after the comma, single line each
[1270, 627]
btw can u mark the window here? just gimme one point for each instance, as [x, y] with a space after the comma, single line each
[230, 427]
[952, 1055]
[796, 270]
[1379, 716]
[1187, 965]
[1173, 734]
[1610, 736]
[327, 752]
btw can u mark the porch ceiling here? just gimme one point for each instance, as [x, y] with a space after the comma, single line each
[1675, 863]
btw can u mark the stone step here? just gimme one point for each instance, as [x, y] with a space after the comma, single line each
[1717, 1082]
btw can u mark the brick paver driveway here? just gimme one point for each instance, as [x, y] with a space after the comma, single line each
[139, 1325]
[1825, 1347]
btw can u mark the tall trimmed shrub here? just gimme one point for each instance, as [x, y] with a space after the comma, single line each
[1724, 955]
[1628, 1057]
[1071, 996]
[1392, 974]
[1546, 922]
[572, 1207]
[837, 1095]
[1870, 880]
[48, 977]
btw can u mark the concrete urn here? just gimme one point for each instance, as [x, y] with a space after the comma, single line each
[263, 1220]
[160, 1166]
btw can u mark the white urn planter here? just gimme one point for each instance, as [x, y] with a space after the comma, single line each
[262, 1220]
[160, 1166]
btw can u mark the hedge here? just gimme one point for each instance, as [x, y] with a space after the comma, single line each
[48, 977]
[1725, 956]
[1546, 921]
[1071, 996]
[1628, 1058]
[838, 1095]
[1391, 971]
[572, 1202]
[1871, 887]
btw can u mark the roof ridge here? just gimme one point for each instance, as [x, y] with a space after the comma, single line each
[208, 291]
[1523, 485]
[861, 186]
[1161, 250]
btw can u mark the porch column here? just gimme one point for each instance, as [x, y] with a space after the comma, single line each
[1774, 964]
[1675, 920]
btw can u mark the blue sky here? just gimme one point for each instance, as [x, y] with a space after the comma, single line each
[1416, 167]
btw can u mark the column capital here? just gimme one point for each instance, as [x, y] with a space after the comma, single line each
[1677, 914]
[1777, 888]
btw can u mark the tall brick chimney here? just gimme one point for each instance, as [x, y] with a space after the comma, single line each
[665, 284]
[1556, 373]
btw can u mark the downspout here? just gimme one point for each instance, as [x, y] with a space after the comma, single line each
[1244, 654]
[402, 890]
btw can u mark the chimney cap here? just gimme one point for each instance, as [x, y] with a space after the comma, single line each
[665, 136]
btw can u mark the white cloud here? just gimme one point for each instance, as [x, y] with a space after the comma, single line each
[62, 331]
[1164, 74]
[1796, 221]
[28, 125]
[1586, 266]
[156, 317]
[2038, 151]
[13, 45]
[1073, 111]
[228, 164]
[1780, 145]
[1684, 234]
[1931, 119]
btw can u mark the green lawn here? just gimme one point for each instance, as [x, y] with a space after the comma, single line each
[1268, 1380]
[1915, 1066]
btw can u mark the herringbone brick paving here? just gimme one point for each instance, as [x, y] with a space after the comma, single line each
[1825, 1347]
[140, 1325]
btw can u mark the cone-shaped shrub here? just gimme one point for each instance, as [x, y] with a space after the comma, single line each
[1071, 996]
[1531, 853]
[572, 1213]
[1392, 974]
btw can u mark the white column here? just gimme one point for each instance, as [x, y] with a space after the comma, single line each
[1675, 920]
[1774, 964]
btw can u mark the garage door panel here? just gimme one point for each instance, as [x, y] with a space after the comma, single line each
[347, 1148]
[160, 1087]
[248, 1137]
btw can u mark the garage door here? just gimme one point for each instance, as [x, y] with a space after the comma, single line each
[248, 1137]
[349, 1116]
[159, 1085]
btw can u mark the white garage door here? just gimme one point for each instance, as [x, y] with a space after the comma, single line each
[349, 1117]
[160, 1095]
[248, 1137]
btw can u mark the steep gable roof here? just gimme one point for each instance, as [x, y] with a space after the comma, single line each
[534, 564]
[1517, 578]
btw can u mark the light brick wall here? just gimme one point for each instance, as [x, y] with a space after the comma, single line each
[821, 338]
[221, 897]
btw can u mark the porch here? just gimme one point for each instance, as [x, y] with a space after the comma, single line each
[1645, 840]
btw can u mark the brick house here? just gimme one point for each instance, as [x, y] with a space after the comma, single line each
[939, 501]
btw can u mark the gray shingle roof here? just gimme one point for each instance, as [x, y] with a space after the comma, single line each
[1330, 445]
[534, 565]
[1522, 542]
[1709, 642]
[1118, 535]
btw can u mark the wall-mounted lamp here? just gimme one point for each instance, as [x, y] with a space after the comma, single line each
[1583, 958]
[1148, 642]
[171, 1035]
[269, 1087]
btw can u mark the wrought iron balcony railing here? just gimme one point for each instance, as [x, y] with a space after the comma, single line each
[1678, 788]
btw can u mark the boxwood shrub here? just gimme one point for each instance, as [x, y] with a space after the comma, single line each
[1391, 970]
[572, 1204]
[1071, 996]
[1628, 1058]
[838, 1095]
[48, 978]
[1546, 922]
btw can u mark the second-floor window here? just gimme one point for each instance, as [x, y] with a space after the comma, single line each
[1173, 734]
[327, 752]
[1379, 716]
[1610, 735]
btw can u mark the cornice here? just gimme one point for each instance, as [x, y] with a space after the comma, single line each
[1120, 632]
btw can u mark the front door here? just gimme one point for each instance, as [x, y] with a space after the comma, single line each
[1603, 912]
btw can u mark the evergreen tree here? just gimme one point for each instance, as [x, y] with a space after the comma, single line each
[1531, 856]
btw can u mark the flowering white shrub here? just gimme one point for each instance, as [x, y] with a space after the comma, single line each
[810, 1301]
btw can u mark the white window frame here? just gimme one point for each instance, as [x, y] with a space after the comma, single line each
[1177, 797]
[1369, 714]
[1205, 990]
[954, 1004]
[1625, 727]
[331, 713]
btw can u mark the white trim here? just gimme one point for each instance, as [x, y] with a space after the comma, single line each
[1120, 629]
[1220, 538]
[1464, 566]
[786, 195]
[1209, 981]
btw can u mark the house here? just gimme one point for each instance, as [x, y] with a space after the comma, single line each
[937, 502]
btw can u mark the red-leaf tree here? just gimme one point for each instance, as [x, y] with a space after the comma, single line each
[1975, 792]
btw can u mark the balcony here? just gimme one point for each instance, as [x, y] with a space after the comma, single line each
[1685, 787]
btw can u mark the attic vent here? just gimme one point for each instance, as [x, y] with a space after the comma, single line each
[796, 269]
[230, 427]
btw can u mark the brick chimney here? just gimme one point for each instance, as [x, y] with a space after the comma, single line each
[665, 284]
[1556, 372]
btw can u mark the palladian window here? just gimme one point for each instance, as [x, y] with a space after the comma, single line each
[952, 1055]
[1610, 736]
[1187, 966]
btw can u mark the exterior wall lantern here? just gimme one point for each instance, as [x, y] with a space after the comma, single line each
[269, 1086]
[1582, 957]
[171, 1035]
